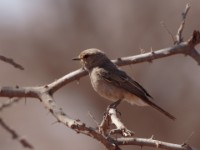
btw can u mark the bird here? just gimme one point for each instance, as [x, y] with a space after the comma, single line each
[112, 83]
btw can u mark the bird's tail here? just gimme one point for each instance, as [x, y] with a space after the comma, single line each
[160, 109]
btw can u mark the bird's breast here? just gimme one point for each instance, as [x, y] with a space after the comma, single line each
[111, 92]
[103, 87]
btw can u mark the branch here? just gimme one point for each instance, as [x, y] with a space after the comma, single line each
[76, 125]
[185, 48]
[15, 135]
[179, 37]
[8, 103]
[11, 62]
[45, 95]
[152, 143]
[111, 117]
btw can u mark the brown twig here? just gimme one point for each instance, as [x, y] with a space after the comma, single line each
[8, 103]
[11, 62]
[15, 135]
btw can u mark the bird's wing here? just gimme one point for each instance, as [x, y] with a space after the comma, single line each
[122, 80]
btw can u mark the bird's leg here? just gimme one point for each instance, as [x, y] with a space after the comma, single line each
[114, 104]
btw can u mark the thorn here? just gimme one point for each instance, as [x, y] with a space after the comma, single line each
[152, 137]
[119, 59]
[46, 86]
[157, 144]
[187, 140]
[152, 51]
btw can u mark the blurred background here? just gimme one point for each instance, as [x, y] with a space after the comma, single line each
[43, 36]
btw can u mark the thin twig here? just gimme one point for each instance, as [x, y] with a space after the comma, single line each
[15, 135]
[8, 103]
[152, 143]
[168, 31]
[11, 62]
[179, 37]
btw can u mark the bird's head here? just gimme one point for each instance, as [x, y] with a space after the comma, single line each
[91, 58]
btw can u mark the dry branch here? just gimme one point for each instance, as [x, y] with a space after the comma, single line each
[111, 117]
[15, 135]
[8, 103]
[179, 37]
[45, 95]
[153, 143]
[185, 48]
[11, 62]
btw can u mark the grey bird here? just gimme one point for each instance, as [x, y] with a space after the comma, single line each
[112, 83]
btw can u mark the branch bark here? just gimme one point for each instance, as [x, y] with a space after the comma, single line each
[45, 95]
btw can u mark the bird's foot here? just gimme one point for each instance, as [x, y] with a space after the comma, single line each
[114, 104]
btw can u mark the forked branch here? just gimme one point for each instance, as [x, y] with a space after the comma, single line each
[45, 95]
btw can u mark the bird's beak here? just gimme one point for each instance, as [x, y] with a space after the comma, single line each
[76, 58]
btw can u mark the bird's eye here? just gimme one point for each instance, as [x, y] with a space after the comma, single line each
[86, 56]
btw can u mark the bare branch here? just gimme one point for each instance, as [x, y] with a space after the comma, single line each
[179, 37]
[8, 103]
[120, 127]
[186, 48]
[76, 125]
[45, 95]
[152, 143]
[11, 62]
[17, 91]
[111, 117]
[15, 135]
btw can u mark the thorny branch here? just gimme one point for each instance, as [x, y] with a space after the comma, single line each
[45, 95]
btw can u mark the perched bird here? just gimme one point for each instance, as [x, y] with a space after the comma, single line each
[112, 83]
